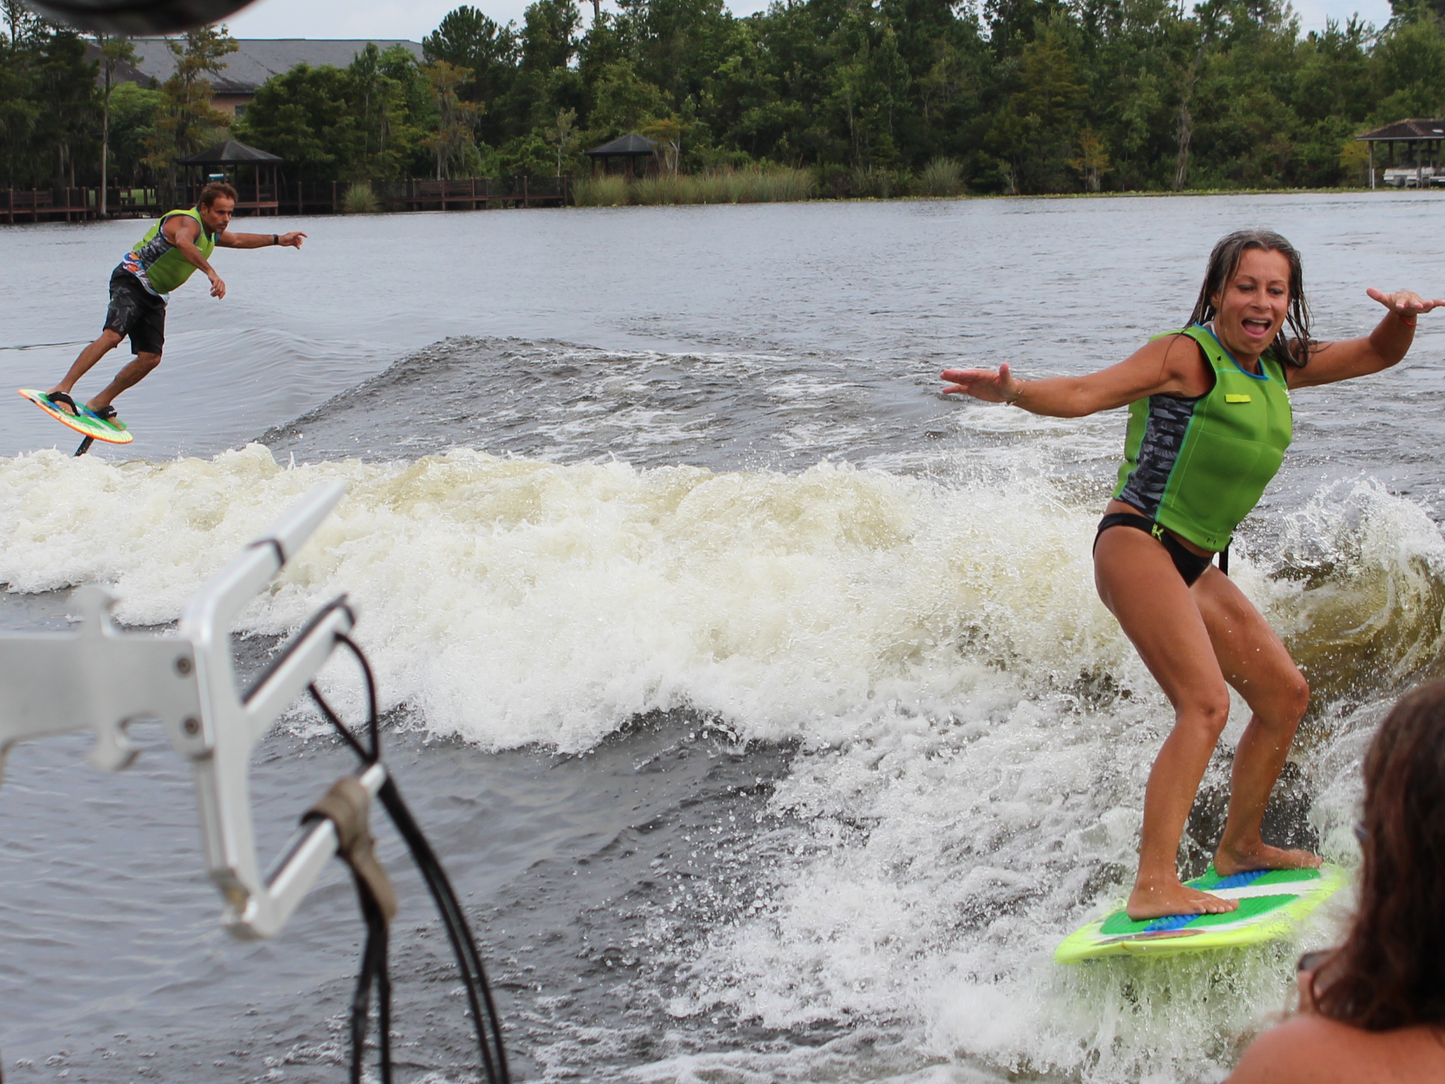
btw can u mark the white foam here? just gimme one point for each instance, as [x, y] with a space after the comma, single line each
[518, 601]
[974, 730]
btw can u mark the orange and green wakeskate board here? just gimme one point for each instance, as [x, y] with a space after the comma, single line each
[1271, 904]
[85, 423]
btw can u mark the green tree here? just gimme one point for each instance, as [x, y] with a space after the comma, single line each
[64, 83]
[668, 133]
[454, 140]
[624, 102]
[468, 39]
[305, 117]
[113, 51]
[1038, 126]
[133, 113]
[563, 136]
[188, 120]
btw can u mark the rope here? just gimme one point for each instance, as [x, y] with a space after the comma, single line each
[483, 1009]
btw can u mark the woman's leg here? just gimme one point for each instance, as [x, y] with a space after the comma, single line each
[1256, 663]
[1139, 584]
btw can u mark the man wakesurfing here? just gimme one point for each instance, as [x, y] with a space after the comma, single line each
[177, 245]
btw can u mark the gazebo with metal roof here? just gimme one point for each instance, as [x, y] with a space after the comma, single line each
[630, 148]
[260, 197]
[1414, 133]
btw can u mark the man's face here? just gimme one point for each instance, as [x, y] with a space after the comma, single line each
[217, 214]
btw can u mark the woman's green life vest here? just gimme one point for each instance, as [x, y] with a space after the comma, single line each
[1198, 466]
[159, 263]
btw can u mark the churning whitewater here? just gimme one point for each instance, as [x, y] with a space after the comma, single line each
[972, 731]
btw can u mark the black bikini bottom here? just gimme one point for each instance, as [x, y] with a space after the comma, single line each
[1190, 564]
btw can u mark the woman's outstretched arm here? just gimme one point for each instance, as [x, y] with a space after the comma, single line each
[1167, 366]
[1380, 349]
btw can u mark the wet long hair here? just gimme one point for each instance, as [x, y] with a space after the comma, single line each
[1224, 263]
[1388, 973]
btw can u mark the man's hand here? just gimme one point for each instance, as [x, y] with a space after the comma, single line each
[218, 286]
[292, 239]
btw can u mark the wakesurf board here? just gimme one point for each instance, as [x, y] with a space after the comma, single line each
[85, 423]
[1271, 904]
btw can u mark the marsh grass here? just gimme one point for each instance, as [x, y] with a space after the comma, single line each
[751, 184]
[664, 188]
[606, 191]
[778, 184]
[360, 199]
[941, 177]
[874, 183]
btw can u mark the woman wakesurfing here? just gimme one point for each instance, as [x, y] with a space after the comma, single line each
[1209, 421]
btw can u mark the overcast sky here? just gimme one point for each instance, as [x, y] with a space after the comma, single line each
[414, 19]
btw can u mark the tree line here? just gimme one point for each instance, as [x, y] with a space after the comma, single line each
[1020, 96]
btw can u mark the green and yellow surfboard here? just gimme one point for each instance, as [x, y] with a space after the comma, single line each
[1271, 904]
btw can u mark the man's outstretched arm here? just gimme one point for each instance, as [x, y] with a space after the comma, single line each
[227, 239]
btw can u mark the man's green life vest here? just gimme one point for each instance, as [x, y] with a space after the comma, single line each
[1198, 466]
[158, 263]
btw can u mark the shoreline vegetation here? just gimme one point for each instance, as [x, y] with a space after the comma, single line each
[759, 184]
[825, 99]
[783, 185]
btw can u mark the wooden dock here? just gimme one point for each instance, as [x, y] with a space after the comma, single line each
[469, 194]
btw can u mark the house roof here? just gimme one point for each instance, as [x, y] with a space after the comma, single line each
[631, 143]
[1403, 131]
[229, 153]
[254, 62]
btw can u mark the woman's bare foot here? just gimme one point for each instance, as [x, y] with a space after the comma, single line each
[1158, 899]
[1229, 860]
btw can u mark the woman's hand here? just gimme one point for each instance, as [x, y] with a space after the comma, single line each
[985, 384]
[1406, 304]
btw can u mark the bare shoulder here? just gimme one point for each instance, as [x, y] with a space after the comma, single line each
[1313, 1049]
[1178, 363]
[1284, 1054]
[179, 226]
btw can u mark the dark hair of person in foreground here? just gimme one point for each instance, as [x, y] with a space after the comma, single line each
[1390, 972]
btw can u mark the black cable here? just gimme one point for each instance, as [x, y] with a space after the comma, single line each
[480, 1003]
[464, 945]
[373, 717]
[373, 969]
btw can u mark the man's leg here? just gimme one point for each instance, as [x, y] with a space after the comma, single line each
[144, 318]
[102, 346]
[140, 366]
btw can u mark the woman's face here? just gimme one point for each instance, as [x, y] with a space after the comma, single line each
[1252, 306]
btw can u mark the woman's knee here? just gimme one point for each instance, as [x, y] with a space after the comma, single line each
[1294, 692]
[1299, 695]
[1208, 713]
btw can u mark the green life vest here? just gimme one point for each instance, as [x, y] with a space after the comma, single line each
[1198, 466]
[158, 263]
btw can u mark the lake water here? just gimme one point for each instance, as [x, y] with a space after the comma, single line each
[756, 696]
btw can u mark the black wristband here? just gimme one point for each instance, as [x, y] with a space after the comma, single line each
[275, 240]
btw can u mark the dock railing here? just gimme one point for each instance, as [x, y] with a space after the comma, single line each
[309, 197]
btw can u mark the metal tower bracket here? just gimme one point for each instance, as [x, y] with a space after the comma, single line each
[102, 679]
